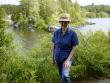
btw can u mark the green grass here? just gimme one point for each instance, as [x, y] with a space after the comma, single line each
[92, 59]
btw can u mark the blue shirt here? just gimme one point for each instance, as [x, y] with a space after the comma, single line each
[64, 43]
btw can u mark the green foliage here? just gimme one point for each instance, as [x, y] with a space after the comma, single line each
[65, 5]
[46, 9]
[19, 70]
[7, 46]
[41, 24]
[31, 7]
[45, 71]
[77, 18]
[98, 15]
[9, 8]
[97, 11]
[27, 13]
[28, 68]
[2, 13]
[91, 15]
[92, 57]
[78, 71]
[32, 12]
[102, 14]
[13, 67]
[23, 20]
[2, 23]
[109, 36]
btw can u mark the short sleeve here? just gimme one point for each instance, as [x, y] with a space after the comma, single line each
[75, 40]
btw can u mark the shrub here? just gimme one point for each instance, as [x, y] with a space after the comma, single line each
[92, 57]
[41, 24]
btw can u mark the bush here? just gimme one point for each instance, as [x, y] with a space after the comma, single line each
[92, 58]
[45, 71]
[41, 24]
[102, 15]
[91, 15]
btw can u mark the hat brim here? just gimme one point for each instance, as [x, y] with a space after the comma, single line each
[65, 20]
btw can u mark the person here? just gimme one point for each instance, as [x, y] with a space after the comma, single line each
[64, 41]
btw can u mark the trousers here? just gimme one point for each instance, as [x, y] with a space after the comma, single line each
[64, 72]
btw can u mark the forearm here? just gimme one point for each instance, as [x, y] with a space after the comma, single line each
[52, 53]
[71, 54]
[67, 62]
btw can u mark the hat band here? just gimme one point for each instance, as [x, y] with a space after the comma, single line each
[64, 20]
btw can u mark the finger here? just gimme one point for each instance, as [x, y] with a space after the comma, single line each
[65, 65]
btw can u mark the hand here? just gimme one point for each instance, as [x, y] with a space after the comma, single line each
[67, 64]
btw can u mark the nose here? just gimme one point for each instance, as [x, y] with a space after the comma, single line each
[63, 23]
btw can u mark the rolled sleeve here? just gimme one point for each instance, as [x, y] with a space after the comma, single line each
[75, 40]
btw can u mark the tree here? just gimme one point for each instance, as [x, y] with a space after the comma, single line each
[29, 11]
[31, 7]
[9, 8]
[2, 13]
[76, 14]
[99, 10]
[46, 9]
[65, 5]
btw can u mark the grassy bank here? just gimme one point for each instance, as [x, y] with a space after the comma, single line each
[92, 60]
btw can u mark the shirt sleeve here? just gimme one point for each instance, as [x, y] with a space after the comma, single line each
[75, 40]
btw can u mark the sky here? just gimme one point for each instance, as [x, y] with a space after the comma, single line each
[96, 2]
[16, 2]
[81, 2]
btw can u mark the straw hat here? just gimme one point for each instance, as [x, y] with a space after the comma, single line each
[64, 17]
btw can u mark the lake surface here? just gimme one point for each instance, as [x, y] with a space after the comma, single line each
[101, 24]
[28, 39]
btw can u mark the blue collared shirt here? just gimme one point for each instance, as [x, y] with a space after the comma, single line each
[64, 43]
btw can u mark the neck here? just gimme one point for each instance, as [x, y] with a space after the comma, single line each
[64, 28]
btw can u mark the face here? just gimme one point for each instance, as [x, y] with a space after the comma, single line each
[64, 24]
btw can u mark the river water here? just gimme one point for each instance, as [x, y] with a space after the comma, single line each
[101, 24]
[29, 38]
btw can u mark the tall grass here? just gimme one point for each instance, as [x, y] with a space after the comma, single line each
[92, 59]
